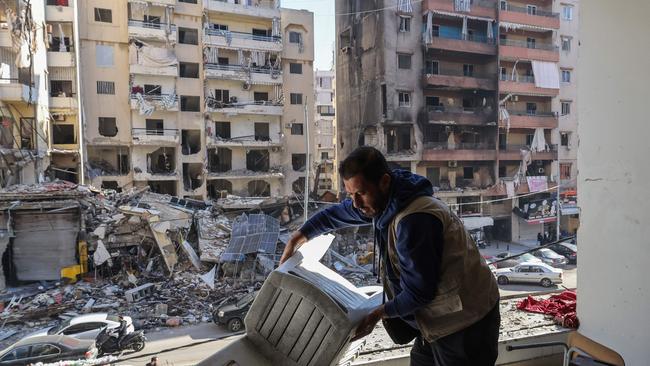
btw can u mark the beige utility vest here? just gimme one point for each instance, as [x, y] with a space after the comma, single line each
[467, 290]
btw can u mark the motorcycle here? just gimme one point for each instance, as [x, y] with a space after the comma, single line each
[107, 343]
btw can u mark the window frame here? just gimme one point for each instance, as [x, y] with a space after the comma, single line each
[567, 73]
[404, 57]
[404, 24]
[98, 16]
[295, 98]
[293, 35]
[404, 98]
[297, 66]
[567, 12]
[565, 111]
[296, 132]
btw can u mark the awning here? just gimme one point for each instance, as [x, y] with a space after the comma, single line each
[461, 16]
[542, 221]
[472, 223]
[516, 26]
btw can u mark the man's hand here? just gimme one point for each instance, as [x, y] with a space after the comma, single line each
[368, 323]
[297, 239]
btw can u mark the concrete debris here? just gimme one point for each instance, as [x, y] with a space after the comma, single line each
[191, 254]
[139, 293]
[208, 278]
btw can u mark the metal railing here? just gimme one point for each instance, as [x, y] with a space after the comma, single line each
[173, 132]
[531, 45]
[537, 12]
[469, 37]
[259, 70]
[457, 72]
[149, 25]
[518, 78]
[447, 109]
[269, 4]
[533, 113]
[153, 97]
[460, 145]
[242, 35]
[509, 147]
[69, 48]
[217, 104]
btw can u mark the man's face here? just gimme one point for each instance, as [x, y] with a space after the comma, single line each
[368, 197]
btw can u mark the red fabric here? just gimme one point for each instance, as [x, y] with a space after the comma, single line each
[562, 307]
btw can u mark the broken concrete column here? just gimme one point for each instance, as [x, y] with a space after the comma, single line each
[140, 292]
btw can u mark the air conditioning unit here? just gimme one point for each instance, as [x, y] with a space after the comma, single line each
[58, 117]
[287, 126]
[345, 50]
[452, 164]
[540, 170]
[515, 98]
[276, 149]
[246, 86]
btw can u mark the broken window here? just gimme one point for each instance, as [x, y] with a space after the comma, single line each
[298, 162]
[262, 131]
[219, 188]
[108, 126]
[105, 87]
[55, 44]
[345, 40]
[161, 161]
[222, 129]
[27, 134]
[60, 88]
[468, 104]
[63, 134]
[384, 101]
[190, 103]
[403, 61]
[398, 138]
[111, 184]
[220, 160]
[188, 36]
[103, 15]
[259, 188]
[190, 142]
[223, 60]
[192, 176]
[432, 102]
[152, 20]
[260, 96]
[324, 155]
[296, 129]
[296, 98]
[295, 68]
[163, 187]
[258, 160]
[189, 70]
[298, 185]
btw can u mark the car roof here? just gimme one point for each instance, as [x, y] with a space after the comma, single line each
[541, 264]
[67, 341]
[95, 317]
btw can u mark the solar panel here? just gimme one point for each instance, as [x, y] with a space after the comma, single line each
[255, 233]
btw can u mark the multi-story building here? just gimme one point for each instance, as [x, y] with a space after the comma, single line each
[324, 130]
[195, 98]
[472, 102]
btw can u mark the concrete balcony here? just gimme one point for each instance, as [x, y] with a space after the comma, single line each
[521, 15]
[236, 40]
[263, 9]
[461, 151]
[479, 8]
[156, 137]
[54, 13]
[160, 2]
[525, 85]
[248, 141]
[459, 115]
[453, 80]
[153, 71]
[161, 102]
[524, 119]
[513, 152]
[475, 45]
[13, 91]
[250, 107]
[60, 59]
[256, 75]
[274, 172]
[68, 103]
[522, 50]
[148, 175]
[151, 31]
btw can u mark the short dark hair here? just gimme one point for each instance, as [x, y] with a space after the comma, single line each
[367, 161]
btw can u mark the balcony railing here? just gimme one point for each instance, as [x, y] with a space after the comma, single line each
[259, 70]
[68, 48]
[537, 12]
[241, 35]
[518, 78]
[457, 72]
[460, 145]
[149, 25]
[531, 113]
[172, 132]
[469, 37]
[447, 109]
[214, 103]
[531, 45]
[155, 97]
[551, 147]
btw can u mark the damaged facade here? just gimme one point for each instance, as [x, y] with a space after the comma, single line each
[479, 98]
[324, 130]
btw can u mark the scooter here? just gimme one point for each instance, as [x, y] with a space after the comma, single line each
[106, 343]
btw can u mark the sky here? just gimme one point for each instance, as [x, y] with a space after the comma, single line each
[323, 28]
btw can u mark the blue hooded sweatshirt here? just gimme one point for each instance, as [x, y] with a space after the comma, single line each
[419, 242]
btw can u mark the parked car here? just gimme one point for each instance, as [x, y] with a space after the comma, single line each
[232, 314]
[550, 257]
[85, 326]
[566, 249]
[530, 272]
[489, 260]
[48, 349]
[526, 257]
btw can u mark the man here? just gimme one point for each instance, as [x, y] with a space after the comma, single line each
[439, 289]
[153, 362]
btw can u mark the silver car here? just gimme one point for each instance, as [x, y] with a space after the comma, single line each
[84, 326]
[530, 272]
[550, 257]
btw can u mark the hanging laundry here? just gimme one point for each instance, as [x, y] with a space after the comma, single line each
[464, 31]
[539, 142]
[405, 6]
[62, 46]
[428, 33]
[211, 55]
[275, 28]
[462, 5]
[144, 108]
[546, 74]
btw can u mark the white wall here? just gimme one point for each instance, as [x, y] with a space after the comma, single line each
[613, 286]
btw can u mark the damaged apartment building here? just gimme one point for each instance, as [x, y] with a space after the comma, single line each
[324, 131]
[478, 96]
[193, 98]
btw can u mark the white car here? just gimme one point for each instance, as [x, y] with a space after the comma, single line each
[84, 326]
[550, 257]
[530, 272]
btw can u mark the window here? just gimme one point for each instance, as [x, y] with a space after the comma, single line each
[565, 170]
[189, 70]
[296, 98]
[433, 175]
[567, 12]
[432, 67]
[103, 55]
[295, 37]
[566, 43]
[61, 88]
[260, 96]
[404, 99]
[262, 131]
[18, 353]
[223, 61]
[468, 172]
[217, 26]
[324, 155]
[152, 20]
[105, 87]
[295, 68]
[188, 36]
[502, 171]
[345, 40]
[503, 76]
[298, 162]
[435, 30]
[404, 24]
[531, 108]
[27, 133]
[63, 134]
[107, 126]
[566, 76]
[222, 129]
[503, 5]
[187, 1]
[103, 15]
[222, 95]
[564, 138]
[529, 139]
[468, 70]
[531, 9]
[190, 103]
[566, 108]
[432, 101]
[152, 89]
[44, 350]
[530, 42]
[155, 126]
[296, 129]
[403, 61]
